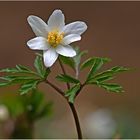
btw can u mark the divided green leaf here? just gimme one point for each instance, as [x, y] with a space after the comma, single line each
[24, 76]
[75, 61]
[97, 64]
[41, 70]
[22, 68]
[71, 93]
[68, 61]
[106, 75]
[112, 87]
[2, 84]
[101, 78]
[28, 86]
[18, 69]
[15, 79]
[89, 62]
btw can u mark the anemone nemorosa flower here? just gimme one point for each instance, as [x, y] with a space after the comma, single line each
[54, 37]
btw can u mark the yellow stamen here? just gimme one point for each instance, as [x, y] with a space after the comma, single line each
[54, 38]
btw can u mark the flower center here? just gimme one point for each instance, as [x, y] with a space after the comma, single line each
[54, 38]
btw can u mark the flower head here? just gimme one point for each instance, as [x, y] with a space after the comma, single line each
[55, 37]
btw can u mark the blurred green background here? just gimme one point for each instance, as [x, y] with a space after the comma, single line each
[114, 32]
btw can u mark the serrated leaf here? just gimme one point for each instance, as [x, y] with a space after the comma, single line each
[41, 69]
[18, 69]
[9, 70]
[15, 79]
[112, 87]
[23, 68]
[98, 62]
[106, 75]
[89, 62]
[2, 84]
[100, 79]
[67, 78]
[28, 86]
[71, 93]
[75, 61]
[67, 60]
[118, 69]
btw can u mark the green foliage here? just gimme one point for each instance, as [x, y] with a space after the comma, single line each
[111, 87]
[74, 62]
[24, 76]
[28, 86]
[29, 79]
[18, 69]
[41, 70]
[68, 61]
[71, 93]
[106, 75]
[101, 78]
[91, 61]
[94, 75]
[67, 78]
[36, 106]
[33, 105]
[97, 64]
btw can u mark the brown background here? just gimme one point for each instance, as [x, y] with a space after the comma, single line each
[113, 31]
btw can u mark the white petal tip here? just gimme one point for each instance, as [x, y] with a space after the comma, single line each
[30, 17]
[50, 56]
[84, 26]
[48, 65]
[73, 54]
[57, 11]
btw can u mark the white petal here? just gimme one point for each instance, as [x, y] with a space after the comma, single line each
[71, 38]
[39, 27]
[38, 43]
[56, 20]
[77, 27]
[66, 50]
[50, 57]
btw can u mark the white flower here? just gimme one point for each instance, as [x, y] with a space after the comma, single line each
[54, 37]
